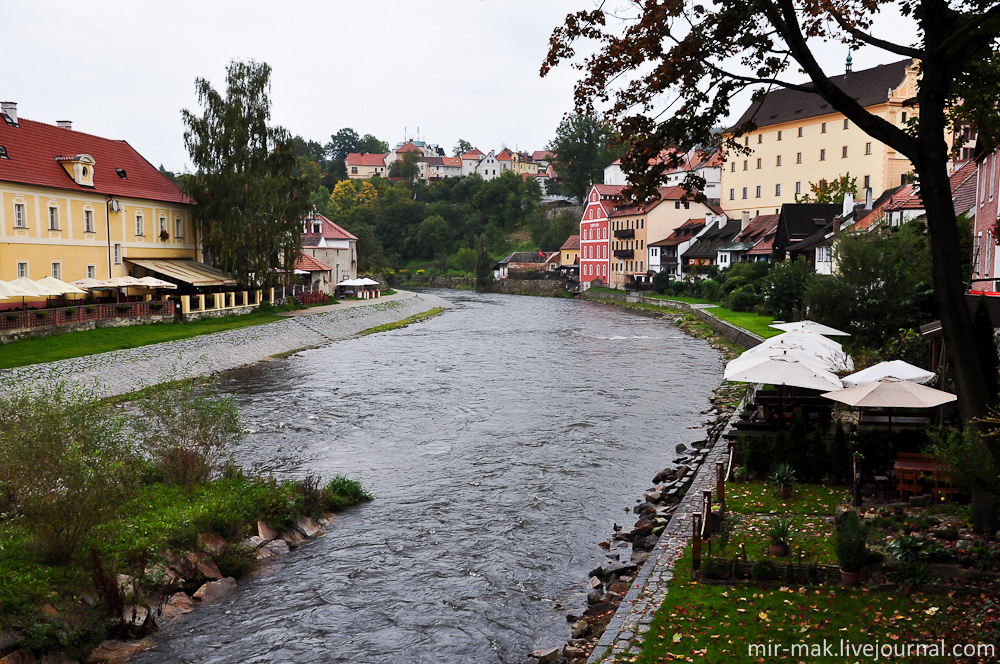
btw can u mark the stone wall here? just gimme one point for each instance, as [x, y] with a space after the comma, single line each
[7, 336]
[530, 286]
[219, 313]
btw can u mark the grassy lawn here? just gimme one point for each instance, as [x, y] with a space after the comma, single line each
[680, 298]
[710, 622]
[91, 342]
[756, 323]
[717, 623]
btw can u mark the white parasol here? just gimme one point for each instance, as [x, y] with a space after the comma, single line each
[810, 326]
[825, 350]
[785, 370]
[153, 282]
[894, 369]
[61, 286]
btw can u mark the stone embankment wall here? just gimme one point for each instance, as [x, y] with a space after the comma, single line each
[123, 371]
[63, 328]
[726, 329]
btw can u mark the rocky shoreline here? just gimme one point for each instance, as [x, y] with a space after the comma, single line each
[186, 580]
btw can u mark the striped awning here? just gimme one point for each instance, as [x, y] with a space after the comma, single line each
[186, 270]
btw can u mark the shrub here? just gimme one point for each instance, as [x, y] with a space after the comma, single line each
[850, 542]
[677, 287]
[90, 308]
[661, 282]
[758, 455]
[41, 314]
[709, 289]
[67, 465]
[744, 298]
[818, 458]
[764, 570]
[189, 430]
[733, 283]
[342, 492]
[71, 311]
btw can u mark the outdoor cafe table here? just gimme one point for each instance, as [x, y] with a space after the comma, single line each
[910, 468]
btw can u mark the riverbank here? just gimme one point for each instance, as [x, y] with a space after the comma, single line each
[123, 371]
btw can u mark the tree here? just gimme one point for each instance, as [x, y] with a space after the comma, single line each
[484, 266]
[371, 145]
[830, 192]
[785, 287]
[584, 147]
[694, 58]
[406, 168]
[250, 199]
[343, 143]
[462, 147]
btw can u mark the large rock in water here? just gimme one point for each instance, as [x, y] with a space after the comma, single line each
[215, 589]
[546, 655]
[266, 531]
[307, 526]
[204, 566]
[19, 657]
[176, 606]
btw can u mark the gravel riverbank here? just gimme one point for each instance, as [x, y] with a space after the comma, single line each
[122, 371]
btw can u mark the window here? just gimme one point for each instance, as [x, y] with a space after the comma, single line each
[178, 227]
[822, 254]
[3, 153]
[868, 182]
[677, 205]
[732, 194]
[118, 254]
[22, 270]
[798, 157]
[163, 224]
[822, 155]
[760, 138]
[798, 188]
[57, 270]
[843, 152]
[758, 162]
[732, 167]
[91, 271]
[845, 123]
[354, 170]
[88, 221]
[902, 179]
[777, 189]
[745, 162]
[758, 191]
[19, 221]
[822, 128]
[903, 116]
[53, 219]
[744, 192]
[800, 132]
[746, 140]
[868, 148]
[139, 227]
[779, 134]
[778, 161]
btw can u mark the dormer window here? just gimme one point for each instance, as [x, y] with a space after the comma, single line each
[317, 227]
[79, 167]
[121, 173]
[3, 153]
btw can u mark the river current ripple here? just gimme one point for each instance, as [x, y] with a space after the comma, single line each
[502, 440]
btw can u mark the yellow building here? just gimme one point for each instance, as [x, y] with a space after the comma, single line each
[74, 205]
[569, 252]
[800, 140]
[633, 228]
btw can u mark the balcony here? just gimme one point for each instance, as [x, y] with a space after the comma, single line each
[625, 232]
[624, 253]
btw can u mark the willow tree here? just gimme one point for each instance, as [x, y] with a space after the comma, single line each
[668, 70]
[250, 200]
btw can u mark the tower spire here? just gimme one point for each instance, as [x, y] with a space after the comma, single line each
[850, 61]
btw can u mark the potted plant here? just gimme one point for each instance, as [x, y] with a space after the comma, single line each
[850, 541]
[164, 235]
[783, 478]
[779, 531]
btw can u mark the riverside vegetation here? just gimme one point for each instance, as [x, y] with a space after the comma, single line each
[101, 502]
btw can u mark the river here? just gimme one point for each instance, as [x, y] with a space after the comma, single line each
[502, 440]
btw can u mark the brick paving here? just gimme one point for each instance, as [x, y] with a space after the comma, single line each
[122, 371]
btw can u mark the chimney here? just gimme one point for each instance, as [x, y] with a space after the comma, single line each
[848, 205]
[836, 225]
[745, 220]
[868, 198]
[708, 218]
[64, 124]
[9, 108]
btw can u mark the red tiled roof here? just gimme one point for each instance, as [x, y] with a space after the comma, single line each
[358, 159]
[331, 231]
[542, 155]
[451, 161]
[758, 227]
[907, 198]
[408, 147]
[505, 155]
[763, 248]
[963, 187]
[665, 194]
[609, 189]
[684, 232]
[34, 147]
[307, 263]
[474, 153]
[571, 243]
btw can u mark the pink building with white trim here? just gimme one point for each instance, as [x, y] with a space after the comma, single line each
[595, 232]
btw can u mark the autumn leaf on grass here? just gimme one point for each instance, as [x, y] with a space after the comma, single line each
[677, 637]
[931, 611]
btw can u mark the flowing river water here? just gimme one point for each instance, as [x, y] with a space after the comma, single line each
[502, 440]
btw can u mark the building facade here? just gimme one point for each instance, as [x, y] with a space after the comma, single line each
[331, 245]
[595, 233]
[800, 140]
[73, 205]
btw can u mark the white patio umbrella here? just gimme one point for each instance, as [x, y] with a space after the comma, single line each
[810, 326]
[61, 286]
[90, 284]
[737, 365]
[122, 283]
[823, 349]
[153, 282]
[785, 370]
[895, 369]
[891, 393]
[8, 290]
[32, 289]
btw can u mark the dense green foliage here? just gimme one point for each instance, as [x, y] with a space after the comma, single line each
[250, 191]
[584, 146]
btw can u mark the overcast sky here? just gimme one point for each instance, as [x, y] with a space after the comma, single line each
[454, 68]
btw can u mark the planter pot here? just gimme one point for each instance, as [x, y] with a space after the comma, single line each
[779, 549]
[850, 579]
[785, 493]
